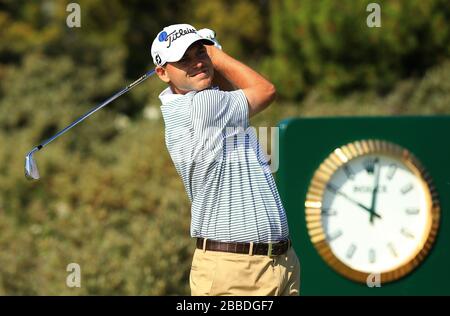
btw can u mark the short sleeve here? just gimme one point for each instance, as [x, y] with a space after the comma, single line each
[220, 109]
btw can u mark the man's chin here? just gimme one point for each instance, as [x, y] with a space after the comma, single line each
[205, 84]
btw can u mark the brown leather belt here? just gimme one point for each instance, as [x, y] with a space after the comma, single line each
[265, 249]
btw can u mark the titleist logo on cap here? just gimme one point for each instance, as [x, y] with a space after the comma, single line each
[164, 37]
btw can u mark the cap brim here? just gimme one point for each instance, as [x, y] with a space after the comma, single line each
[182, 50]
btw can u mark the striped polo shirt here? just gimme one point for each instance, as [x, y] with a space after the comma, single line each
[223, 168]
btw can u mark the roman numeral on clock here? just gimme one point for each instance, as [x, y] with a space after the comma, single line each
[412, 211]
[369, 164]
[392, 249]
[332, 187]
[328, 212]
[349, 172]
[407, 233]
[351, 251]
[372, 256]
[391, 171]
[335, 235]
[405, 189]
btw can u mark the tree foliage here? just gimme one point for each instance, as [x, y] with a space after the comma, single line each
[327, 44]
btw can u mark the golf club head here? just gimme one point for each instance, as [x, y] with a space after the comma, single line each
[31, 170]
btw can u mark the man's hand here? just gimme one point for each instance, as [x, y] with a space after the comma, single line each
[219, 80]
[258, 90]
[211, 35]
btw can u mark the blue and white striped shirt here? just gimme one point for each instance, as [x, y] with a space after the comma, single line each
[217, 155]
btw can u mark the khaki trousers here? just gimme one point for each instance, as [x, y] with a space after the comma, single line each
[222, 273]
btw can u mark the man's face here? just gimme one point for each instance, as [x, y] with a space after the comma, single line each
[193, 72]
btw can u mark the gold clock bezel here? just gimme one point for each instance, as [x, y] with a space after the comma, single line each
[322, 176]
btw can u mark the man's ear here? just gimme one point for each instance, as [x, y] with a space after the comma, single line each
[162, 74]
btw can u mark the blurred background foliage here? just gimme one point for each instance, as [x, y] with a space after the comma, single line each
[110, 198]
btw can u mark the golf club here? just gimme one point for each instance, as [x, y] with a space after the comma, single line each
[31, 170]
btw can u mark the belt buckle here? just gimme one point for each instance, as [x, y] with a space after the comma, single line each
[269, 250]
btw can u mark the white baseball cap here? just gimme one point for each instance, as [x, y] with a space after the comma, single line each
[172, 42]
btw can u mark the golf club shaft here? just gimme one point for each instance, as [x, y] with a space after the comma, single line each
[106, 102]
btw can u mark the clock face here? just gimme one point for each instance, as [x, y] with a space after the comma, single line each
[371, 209]
[387, 237]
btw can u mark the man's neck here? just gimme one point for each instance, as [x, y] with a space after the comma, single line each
[175, 90]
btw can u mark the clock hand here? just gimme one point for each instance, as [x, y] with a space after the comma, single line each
[375, 190]
[336, 191]
[359, 204]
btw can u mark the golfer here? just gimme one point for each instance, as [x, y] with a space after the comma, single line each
[237, 218]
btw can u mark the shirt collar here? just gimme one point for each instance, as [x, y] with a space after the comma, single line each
[167, 96]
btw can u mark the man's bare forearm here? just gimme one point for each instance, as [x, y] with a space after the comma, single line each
[258, 90]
